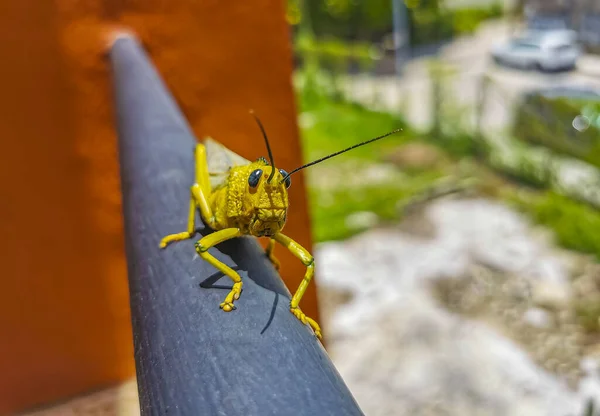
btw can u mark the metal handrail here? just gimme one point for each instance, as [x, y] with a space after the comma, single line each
[191, 357]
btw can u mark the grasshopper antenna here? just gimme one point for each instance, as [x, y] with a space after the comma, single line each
[264, 133]
[340, 152]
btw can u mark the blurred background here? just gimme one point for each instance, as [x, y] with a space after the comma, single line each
[458, 261]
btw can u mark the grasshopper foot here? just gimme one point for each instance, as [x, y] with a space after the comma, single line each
[307, 321]
[227, 305]
[174, 237]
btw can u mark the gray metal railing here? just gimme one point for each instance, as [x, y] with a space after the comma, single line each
[191, 357]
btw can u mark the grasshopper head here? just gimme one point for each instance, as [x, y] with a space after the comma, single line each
[267, 199]
[266, 202]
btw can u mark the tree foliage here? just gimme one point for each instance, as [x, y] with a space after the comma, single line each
[370, 20]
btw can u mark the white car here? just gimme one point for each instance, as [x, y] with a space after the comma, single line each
[545, 50]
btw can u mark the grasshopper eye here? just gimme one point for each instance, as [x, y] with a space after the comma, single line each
[288, 181]
[254, 178]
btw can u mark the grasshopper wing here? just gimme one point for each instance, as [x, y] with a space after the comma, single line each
[219, 160]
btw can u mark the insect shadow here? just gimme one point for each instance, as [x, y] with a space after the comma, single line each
[247, 255]
[209, 282]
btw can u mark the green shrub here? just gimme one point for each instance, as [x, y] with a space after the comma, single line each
[332, 58]
[336, 53]
[549, 122]
[467, 20]
[430, 25]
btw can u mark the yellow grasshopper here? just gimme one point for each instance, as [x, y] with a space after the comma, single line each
[237, 197]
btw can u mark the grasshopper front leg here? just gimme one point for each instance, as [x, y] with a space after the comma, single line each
[200, 191]
[211, 240]
[308, 260]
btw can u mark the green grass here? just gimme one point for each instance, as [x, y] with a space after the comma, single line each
[329, 126]
[575, 224]
[331, 207]
[329, 212]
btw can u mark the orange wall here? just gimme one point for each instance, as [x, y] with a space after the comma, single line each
[64, 312]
